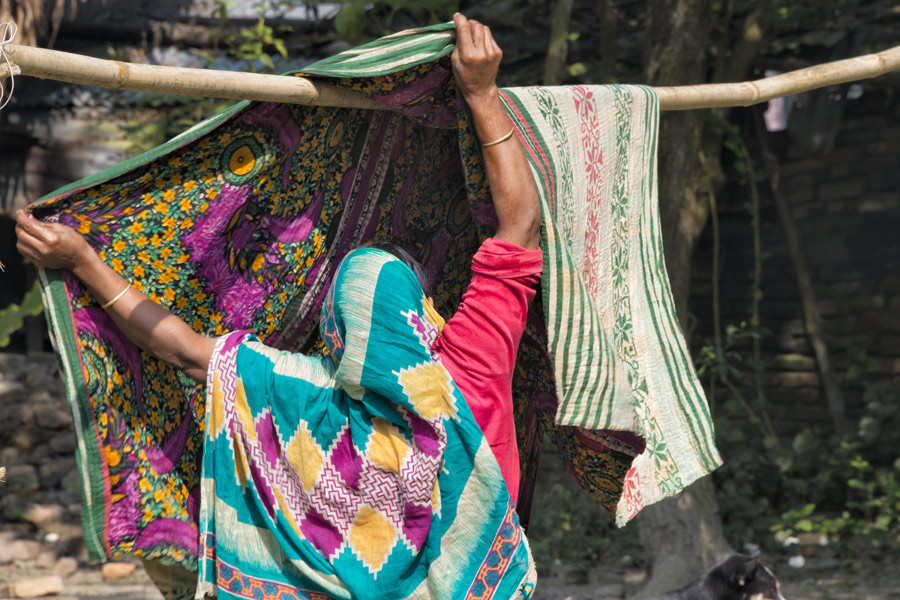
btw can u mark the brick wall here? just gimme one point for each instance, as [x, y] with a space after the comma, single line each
[846, 203]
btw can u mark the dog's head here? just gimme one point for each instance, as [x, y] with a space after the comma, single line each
[743, 577]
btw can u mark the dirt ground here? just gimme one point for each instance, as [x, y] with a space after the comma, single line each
[843, 581]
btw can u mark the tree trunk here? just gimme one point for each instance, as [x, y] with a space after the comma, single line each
[682, 536]
[555, 63]
[609, 25]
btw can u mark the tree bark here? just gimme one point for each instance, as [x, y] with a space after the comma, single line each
[557, 49]
[677, 31]
[608, 27]
[682, 536]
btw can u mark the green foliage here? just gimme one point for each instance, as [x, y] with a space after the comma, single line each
[745, 501]
[254, 42]
[351, 20]
[220, 10]
[568, 526]
[577, 69]
[843, 487]
[13, 316]
[713, 362]
[855, 482]
[160, 117]
[733, 141]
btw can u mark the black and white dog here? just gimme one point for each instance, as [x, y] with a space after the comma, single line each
[740, 577]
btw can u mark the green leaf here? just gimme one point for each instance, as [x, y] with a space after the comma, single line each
[13, 316]
[350, 21]
[577, 69]
[859, 463]
[266, 60]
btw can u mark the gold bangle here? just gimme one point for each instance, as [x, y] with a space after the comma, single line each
[117, 298]
[501, 140]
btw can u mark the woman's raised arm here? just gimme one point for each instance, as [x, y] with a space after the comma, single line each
[475, 63]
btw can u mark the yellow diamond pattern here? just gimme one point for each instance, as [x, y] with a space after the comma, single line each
[372, 536]
[243, 412]
[387, 447]
[305, 456]
[436, 498]
[428, 388]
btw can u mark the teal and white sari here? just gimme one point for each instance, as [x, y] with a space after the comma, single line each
[359, 475]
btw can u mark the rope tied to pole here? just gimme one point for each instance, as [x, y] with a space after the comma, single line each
[8, 30]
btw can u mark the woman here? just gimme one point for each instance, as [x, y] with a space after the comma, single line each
[363, 474]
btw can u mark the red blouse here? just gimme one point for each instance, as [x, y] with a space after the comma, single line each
[479, 343]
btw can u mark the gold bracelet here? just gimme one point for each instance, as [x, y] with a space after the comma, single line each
[501, 140]
[117, 298]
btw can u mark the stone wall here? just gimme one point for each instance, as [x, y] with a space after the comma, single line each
[37, 442]
[846, 203]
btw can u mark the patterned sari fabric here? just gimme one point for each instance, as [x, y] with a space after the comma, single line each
[240, 223]
[359, 475]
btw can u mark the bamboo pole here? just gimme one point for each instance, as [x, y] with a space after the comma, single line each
[748, 93]
[74, 68]
[118, 75]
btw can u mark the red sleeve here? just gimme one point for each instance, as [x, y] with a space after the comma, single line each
[484, 333]
[478, 345]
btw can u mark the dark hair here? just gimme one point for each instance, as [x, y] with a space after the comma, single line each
[407, 259]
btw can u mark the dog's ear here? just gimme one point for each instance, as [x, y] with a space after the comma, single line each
[746, 570]
[731, 575]
[735, 572]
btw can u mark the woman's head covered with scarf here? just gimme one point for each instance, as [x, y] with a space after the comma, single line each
[377, 315]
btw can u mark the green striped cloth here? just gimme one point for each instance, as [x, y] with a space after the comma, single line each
[619, 358]
[389, 54]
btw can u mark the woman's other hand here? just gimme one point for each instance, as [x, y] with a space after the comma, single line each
[476, 59]
[50, 245]
[146, 323]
